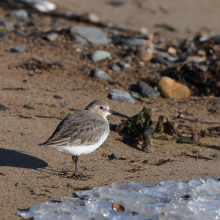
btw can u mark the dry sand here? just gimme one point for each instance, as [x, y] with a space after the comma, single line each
[186, 16]
[30, 173]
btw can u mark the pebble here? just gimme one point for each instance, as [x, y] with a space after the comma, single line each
[121, 96]
[113, 156]
[27, 81]
[92, 17]
[23, 134]
[195, 59]
[148, 91]
[100, 74]
[99, 55]
[145, 50]
[171, 50]
[63, 104]
[169, 88]
[59, 63]
[9, 25]
[92, 35]
[171, 59]
[19, 48]
[123, 65]
[4, 108]
[204, 38]
[57, 97]
[160, 60]
[43, 6]
[116, 67]
[135, 95]
[120, 66]
[21, 13]
[133, 42]
[127, 58]
[116, 3]
[143, 31]
[216, 155]
[191, 48]
[28, 106]
[52, 36]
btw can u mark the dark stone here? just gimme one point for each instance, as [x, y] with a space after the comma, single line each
[216, 155]
[28, 106]
[113, 156]
[57, 97]
[19, 48]
[148, 91]
[63, 104]
[4, 108]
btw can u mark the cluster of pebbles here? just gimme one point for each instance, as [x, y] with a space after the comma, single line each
[132, 63]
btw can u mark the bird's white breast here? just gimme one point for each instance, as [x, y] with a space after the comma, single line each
[83, 149]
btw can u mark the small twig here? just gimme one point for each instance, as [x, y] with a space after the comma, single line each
[196, 120]
[19, 88]
[39, 116]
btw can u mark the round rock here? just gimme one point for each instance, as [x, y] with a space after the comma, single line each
[169, 88]
[148, 91]
[99, 55]
[89, 35]
[100, 74]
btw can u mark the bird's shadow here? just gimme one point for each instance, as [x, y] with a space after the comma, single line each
[13, 158]
[130, 141]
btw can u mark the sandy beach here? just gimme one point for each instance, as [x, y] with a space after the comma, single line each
[30, 173]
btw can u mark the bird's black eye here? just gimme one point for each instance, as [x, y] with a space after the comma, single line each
[101, 107]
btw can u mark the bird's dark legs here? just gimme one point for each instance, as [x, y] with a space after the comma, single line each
[75, 159]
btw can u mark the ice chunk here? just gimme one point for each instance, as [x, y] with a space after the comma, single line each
[175, 199]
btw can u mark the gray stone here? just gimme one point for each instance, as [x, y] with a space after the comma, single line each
[4, 108]
[116, 3]
[57, 97]
[121, 96]
[99, 55]
[160, 60]
[19, 48]
[171, 59]
[99, 74]
[114, 156]
[148, 91]
[63, 104]
[116, 67]
[92, 17]
[52, 36]
[127, 58]
[21, 13]
[143, 31]
[123, 65]
[9, 25]
[120, 66]
[135, 95]
[216, 155]
[28, 106]
[89, 35]
[191, 48]
[133, 42]
[27, 81]
[204, 38]
[23, 134]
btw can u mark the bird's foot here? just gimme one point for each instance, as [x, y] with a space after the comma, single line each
[80, 176]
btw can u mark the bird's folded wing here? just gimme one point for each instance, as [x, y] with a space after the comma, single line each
[78, 131]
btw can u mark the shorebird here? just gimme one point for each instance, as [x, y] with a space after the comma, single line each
[82, 132]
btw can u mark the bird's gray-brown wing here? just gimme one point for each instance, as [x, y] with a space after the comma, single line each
[80, 128]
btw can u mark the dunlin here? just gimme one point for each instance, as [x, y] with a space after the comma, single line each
[82, 132]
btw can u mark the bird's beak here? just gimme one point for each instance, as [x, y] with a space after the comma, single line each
[119, 114]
